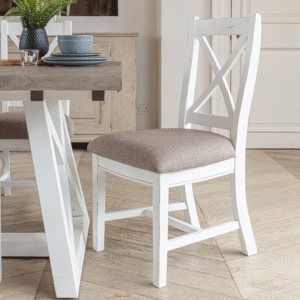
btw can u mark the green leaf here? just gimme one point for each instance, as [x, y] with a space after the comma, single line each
[37, 13]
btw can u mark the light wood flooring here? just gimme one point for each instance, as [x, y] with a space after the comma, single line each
[213, 269]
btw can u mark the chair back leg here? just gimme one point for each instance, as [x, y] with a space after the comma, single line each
[6, 157]
[99, 196]
[240, 211]
[160, 231]
[187, 196]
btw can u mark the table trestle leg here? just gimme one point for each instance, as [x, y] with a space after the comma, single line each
[60, 193]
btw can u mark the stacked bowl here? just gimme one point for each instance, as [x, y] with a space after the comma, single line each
[75, 51]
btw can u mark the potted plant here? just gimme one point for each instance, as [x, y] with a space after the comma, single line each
[35, 15]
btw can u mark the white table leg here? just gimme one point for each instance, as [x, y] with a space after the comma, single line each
[64, 212]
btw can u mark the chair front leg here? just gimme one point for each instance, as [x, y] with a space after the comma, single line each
[99, 197]
[160, 231]
[6, 157]
[187, 196]
[240, 211]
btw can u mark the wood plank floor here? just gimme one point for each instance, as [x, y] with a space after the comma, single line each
[213, 269]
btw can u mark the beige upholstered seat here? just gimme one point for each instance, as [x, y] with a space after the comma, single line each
[13, 125]
[163, 150]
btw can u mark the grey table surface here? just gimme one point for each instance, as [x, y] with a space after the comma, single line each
[103, 77]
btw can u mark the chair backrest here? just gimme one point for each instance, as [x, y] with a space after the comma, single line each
[13, 30]
[249, 31]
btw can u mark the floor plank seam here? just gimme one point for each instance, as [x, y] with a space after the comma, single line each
[172, 283]
[230, 271]
[220, 251]
[115, 288]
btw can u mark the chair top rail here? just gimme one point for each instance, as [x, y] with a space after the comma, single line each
[16, 28]
[235, 26]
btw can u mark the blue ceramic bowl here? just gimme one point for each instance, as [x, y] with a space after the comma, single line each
[75, 44]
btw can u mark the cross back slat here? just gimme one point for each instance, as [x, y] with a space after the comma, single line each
[249, 30]
[221, 73]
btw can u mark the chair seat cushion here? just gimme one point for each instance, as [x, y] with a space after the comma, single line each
[13, 125]
[163, 150]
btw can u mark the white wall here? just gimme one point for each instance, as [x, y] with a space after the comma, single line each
[175, 16]
[134, 16]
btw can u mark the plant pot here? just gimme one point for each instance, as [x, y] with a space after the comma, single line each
[35, 39]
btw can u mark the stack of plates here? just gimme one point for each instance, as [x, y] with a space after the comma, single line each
[75, 60]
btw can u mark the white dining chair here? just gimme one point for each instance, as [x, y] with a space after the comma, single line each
[165, 158]
[14, 135]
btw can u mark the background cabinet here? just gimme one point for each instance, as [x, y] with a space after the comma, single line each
[118, 111]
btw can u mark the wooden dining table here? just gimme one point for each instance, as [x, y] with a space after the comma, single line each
[64, 211]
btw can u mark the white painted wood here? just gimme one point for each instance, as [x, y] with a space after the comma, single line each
[240, 210]
[50, 194]
[17, 183]
[175, 178]
[123, 214]
[221, 45]
[99, 195]
[127, 172]
[4, 40]
[64, 213]
[14, 29]
[210, 120]
[2, 178]
[12, 104]
[5, 107]
[15, 145]
[246, 90]
[249, 30]
[7, 189]
[160, 231]
[190, 75]
[184, 226]
[68, 29]
[202, 173]
[148, 211]
[20, 244]
[202, 235]
[187, 196]
[222, 82]
[137, 212]
[223, 26]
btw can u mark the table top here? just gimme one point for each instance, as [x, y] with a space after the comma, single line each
[103, 77]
